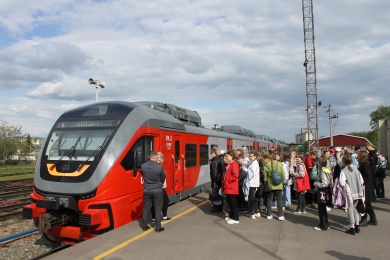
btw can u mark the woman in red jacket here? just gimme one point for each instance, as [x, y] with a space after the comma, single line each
[230, 186]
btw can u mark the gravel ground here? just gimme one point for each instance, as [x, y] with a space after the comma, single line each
[22, 248]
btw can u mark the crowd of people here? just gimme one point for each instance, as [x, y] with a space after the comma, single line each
[250, 182]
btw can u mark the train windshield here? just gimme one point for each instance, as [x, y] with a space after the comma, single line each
[77, 144]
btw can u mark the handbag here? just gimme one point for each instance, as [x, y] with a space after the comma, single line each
[303, 184]
[322, 196]
[360, 207]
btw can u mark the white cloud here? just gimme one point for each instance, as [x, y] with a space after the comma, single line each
[236, 62]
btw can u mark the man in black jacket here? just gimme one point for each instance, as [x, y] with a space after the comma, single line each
[373, 158]
[153, 178]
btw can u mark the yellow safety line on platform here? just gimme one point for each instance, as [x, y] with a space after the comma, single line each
[112, 250]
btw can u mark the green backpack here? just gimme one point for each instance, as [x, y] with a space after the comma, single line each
[276, 177]
[313, 173]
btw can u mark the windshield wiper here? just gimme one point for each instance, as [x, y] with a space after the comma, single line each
[68, 153]
[99, 149]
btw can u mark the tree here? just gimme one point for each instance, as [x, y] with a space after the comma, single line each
[371, 136]
[8, 144]
[383, 112]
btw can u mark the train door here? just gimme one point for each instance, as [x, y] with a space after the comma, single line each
[178, 165]
[229, 144]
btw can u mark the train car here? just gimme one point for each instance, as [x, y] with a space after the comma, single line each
[86, 180]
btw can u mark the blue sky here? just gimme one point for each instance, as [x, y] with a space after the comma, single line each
[235, 62]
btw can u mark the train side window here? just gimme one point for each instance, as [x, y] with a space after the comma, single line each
[138, 154]
[204, 154]
[190, 155]
[177, 151]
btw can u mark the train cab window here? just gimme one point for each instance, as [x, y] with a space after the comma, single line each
[190, 155]
[142, 148]
[177, 151]
[204, 154]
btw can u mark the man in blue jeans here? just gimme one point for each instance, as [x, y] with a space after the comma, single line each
[153, 178]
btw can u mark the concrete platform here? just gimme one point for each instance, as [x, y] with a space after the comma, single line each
[195, 233]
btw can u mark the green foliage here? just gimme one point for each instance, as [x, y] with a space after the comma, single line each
[383, 112]
[371, 136]
[8, 145]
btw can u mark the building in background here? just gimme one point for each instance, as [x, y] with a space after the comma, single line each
[303, 136]
[342, 140]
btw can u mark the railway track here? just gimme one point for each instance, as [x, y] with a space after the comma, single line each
[14, 195]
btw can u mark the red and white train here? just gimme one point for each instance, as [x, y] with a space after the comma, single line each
[86, 179]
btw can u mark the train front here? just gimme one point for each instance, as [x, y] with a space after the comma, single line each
[66, 199]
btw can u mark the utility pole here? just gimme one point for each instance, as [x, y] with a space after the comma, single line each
[310, 69]
[330, 122]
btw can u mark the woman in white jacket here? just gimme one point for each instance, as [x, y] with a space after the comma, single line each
[251, 184]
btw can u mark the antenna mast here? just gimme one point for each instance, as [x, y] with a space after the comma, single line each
[310, 68]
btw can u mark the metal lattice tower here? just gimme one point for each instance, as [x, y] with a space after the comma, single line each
[310, 68]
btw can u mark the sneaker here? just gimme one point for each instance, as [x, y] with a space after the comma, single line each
[257, 215]
[281, 218]
[303, 211]
[227, 218]
[274, 207]
[284, 208]
[166, 218]
[327, 208]
[153, 220]
[232, 221]
[252, 216]
[297, 212]
[317, 228]
[269, 217]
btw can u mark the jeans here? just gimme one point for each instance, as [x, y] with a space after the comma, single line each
[323, 215]
[232, 198]
[380, 188]
[278, 194]
[253, 206]
[286, 195]
[353, 215]
[156, 199]
[301, 201]
[164, 206]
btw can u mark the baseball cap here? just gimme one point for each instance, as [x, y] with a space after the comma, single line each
[337, 149]
[223, 152]
[379, 153]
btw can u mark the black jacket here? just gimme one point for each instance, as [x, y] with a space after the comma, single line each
[216, 170]
[154, 176]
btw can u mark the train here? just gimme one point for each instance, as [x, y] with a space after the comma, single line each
[87, 179]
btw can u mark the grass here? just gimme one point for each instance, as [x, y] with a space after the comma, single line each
[7, 171]
[16, 177]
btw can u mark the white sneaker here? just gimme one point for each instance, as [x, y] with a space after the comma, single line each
[281, 218]
[252, 216]
[327, 208]
[232, 221]
[227, 218]
[274, 207]
[284, 208]
[269, 217]
[257, 215]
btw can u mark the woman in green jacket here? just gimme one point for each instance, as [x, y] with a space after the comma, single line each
[277, 190]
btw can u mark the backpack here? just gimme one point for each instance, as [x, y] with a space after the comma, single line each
[314, 173]
[276, 177]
